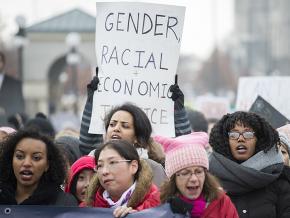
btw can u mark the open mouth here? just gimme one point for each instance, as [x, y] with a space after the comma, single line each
[116, 137]
[192, 188]
[241, 149]
[26, 174]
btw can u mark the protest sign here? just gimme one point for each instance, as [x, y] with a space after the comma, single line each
[274, 89]
[33, 211]
[137, 49]
[268, 112]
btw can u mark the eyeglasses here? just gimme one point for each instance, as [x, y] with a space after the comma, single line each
[246, 135]
[111, 165]
[199, 173]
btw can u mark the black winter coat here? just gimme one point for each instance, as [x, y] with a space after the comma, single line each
[43, 195]
[268, 202]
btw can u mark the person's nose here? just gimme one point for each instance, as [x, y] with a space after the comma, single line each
[241, 138]
[117, 128]
[193, 177]
[105, 170]
[27, 162]
[87, 182]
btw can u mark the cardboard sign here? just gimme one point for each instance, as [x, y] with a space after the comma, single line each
[268, 112]
[137, 49]
[274, 89]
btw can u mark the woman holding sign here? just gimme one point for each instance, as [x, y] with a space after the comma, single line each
[192, 190]
[89, 142]
[249, 165]
[123, 181]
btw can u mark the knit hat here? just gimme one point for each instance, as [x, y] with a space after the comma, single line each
[70, 145]
[285, 129]
[285, 140]
[7, 130]
[184, 151]
[85, 162]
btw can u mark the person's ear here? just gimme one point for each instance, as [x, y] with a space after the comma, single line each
[47, 167]
[134, 166]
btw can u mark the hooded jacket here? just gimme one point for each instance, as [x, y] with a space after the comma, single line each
[145, 195]
[85, 162]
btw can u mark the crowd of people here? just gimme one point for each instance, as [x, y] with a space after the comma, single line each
[239, 168]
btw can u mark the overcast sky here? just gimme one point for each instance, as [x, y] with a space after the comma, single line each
[206, 21]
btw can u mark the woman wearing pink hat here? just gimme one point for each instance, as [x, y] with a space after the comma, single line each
[192, 189]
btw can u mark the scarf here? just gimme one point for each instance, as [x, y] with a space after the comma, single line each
[257, 172]
[123, 199]
[199, 205]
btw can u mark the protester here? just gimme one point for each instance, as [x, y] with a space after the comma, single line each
[32, 170]
[5, 131]
[197, 120]
[284, 147]
[11, 96]
[80, 175]
[41, 123]
[247, 162]
[123, 181]
[69, 145]
[284, 134]
[192, 190]
[89, 142]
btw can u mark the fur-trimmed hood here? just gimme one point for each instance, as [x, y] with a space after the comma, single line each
[143, 185]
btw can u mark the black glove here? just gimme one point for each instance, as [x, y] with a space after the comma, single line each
[179, 206]
[177, 95]
[93, 86]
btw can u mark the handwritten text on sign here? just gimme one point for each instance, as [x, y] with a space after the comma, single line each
[137, 49]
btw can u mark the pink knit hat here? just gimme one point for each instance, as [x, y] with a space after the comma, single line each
[184, 151]
[7, 129]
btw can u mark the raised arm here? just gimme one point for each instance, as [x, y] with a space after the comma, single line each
[89, 141]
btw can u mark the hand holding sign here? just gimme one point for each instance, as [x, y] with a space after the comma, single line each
[177, 95]
[93, 86]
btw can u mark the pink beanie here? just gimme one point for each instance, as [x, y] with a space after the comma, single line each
[184, 151]
[7, 130]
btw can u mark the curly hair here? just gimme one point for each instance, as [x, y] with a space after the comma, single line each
[56, 172]
[267, 136]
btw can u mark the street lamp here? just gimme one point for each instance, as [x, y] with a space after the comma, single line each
[73, 58]
[20, 41]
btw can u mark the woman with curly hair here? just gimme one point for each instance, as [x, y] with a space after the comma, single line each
[192, 190]
[32, 171]
[249, 165]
